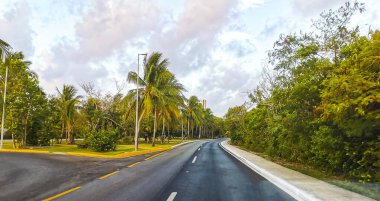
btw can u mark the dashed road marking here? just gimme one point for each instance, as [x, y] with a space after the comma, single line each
[134, 164]
[110, 174]
[195, 158]
[150, 157]
[172, 196]
[62, 194]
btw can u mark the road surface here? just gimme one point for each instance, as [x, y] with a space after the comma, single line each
[196, 171]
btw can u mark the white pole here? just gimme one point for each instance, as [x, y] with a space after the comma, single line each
[3, 116]
[137, 104]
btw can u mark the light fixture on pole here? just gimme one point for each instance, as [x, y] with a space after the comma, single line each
[137, 100]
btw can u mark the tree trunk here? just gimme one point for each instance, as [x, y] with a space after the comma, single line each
[13, 136]
[138, 126]
[182, 129]
[188, 128]
[163, 131]
[63, 132]
[192, 132]
[70, 134]
[154, 127]
[168, 134]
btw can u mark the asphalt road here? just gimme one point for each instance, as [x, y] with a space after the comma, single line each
[196, 171]
[38, 176]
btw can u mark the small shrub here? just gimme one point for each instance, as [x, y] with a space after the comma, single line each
[103, 140]
[83, 145]
[127, 140]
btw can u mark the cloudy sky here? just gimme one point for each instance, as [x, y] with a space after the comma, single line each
[216, 47]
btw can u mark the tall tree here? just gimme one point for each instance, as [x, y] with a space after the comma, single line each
[193, 113]
[67, 102]
[159, 90]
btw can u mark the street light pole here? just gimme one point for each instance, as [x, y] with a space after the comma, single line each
[137, 102]
[3, 115]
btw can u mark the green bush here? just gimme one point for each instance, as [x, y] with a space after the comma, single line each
[83, 145]
[103, 140]
[127, 140]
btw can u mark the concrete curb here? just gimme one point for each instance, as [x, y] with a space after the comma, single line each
[183, 143]
[24, 151]
[122, 155]
[293, 191]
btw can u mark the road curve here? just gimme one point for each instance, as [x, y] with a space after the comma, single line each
[197, 171]
[213, 174]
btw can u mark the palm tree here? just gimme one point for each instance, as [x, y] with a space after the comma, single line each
[4, 49]
[67, 104]
[160, 92]
[208, 120]
[193, 112]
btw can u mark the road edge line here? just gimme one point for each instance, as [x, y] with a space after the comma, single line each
[108, 175]
[287, 187]
[62, 194]
[133, 164]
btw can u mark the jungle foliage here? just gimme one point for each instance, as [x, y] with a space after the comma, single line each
[320, 105]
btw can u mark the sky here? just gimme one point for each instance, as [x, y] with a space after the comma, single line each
[216, 48]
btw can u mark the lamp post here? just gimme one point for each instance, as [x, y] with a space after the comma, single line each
[137, 100]
[3, 115]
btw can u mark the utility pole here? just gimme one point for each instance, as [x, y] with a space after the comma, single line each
[3, 115]
[137, 101]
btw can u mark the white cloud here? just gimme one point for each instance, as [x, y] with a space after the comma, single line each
[311, 7]
[15, 28]
[215, 47]
[189, 42]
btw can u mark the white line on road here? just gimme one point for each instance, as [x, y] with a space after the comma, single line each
[195, 158]
[172, 196]
[199, 149]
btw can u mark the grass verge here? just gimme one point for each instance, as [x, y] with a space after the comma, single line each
[120, 149]
[371, 190]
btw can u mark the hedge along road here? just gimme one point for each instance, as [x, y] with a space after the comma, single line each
[30, 176]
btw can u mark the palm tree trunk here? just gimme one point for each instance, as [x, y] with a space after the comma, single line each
[192, 132]
[70, 134]
[63, 132]
[163, 130]
[182, 128]
[154, 128]
[188, 128]
[138, 125]
[168, 133]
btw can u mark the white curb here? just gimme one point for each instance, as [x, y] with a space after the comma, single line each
[183, 143]
[292, 190]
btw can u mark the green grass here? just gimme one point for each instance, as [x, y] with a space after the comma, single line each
[119, 148]
[371, 190]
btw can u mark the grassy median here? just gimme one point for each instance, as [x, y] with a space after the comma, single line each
[120, 149]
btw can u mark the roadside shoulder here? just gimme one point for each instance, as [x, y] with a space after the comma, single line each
[298, 185]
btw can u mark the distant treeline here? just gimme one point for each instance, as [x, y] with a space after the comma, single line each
[320, 105]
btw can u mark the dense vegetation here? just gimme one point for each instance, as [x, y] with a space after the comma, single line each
[34, 118]
[320, 105]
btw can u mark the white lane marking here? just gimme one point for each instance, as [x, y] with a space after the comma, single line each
[195, 158]
[199, 149]
[172, 196]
